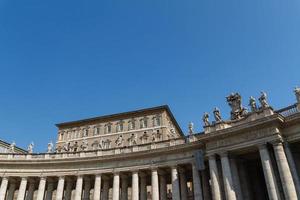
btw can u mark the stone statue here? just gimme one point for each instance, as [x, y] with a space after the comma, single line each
[50, 147]
[235, 102]
[66, 146]
[132, 140]
[75, 146]
[12, 147]
[297, 93]
[205, 119]
[119, 142]
[217, 114]
[252, 104]
[30, 147]
[263, 100]
[84, 145]
[191, 128]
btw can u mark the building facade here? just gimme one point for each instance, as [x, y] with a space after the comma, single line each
[143, 155]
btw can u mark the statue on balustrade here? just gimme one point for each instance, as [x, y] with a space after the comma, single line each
[84, 145]
[263, 100]
[50, 147]
[132, 140]
[119, 142]
[252, 104]
[191, 128]
[235, 102]
[217, 114]
[297, 93]
[30, 148]
[12, 147]
[205, 119]
[66, 147]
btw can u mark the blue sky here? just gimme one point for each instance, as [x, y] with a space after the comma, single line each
[68, 60]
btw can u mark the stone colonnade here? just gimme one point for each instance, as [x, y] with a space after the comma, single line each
[100, 184]
[289, 178]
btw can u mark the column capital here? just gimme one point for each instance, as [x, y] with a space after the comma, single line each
[262, 146]
[223, 154]
[277, 143]
[212, 156]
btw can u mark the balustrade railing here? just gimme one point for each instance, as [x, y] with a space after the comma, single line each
[288, 111]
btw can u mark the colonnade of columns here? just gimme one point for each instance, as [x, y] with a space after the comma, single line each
[101, 185]
[289, 178]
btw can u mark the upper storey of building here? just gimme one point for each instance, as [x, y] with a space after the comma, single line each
[118, 130]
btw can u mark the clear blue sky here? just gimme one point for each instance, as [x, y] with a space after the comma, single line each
[68, 60]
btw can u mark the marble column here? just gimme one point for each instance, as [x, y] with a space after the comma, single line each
[50, 188]
[60, 188]
[30, 191]
[175, 184]
[268, 173]
[116, 186]
[293, 167]
[3, 188]
[11, 190]
[154, 184]
[97, 187]
[227, 177]
[197, 189]
[41, 189]
[135, 185]
[22, 189]
[183, 184]
[143, 188]
[236, 179]
[87, 188]
[284, 172]
[68, 190]
[78, 190]
[105, 188]
[214, 176]
[162, 186]
[124, 187]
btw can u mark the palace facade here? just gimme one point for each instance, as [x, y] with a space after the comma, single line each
[144, 154]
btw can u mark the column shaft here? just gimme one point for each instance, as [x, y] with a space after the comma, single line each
[135, 186]
[3, 188]
[41, 190]
[183, 185]
[116, 187]
[143, 189]
[78, 190]
[175, 184]
[60, 188]
[268, 173]
[285, 172]
[97, 187]
[227, 178]
[22, 189]
[154, 184]
[215, 180]
[162, 187]
[87, 188]
[197, 184]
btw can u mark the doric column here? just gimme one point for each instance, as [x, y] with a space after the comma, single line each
[30, 191]
[22, 189]
[105, 188]
[268, 172]
[116, 186]
[11, 190]
[284, 172]
[41, 190]
[50, 188]
[97, 187]
[183, 184]
[78, 190]
[214, 176]
[60, 188]
[196, 183]
[154, 184]
[293, 168]
[143, 188]
[162, 186]
[236, 179]
[69, 188]
[87, 188]
[227, 177]
[124, 187]
[135, 185]
[175, 184]
[3, 188]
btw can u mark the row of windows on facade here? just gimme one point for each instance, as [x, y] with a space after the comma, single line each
[108, 128]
